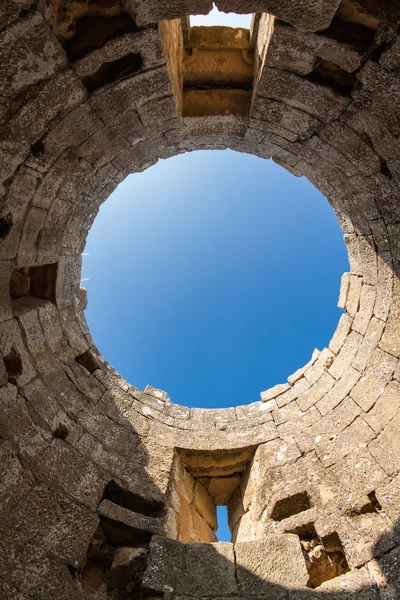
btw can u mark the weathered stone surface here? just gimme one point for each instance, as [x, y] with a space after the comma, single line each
[321, 449]
[283, 565]
[209, 568]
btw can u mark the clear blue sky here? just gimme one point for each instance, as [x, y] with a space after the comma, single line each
[213, 276]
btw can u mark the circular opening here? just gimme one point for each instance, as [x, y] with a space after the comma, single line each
[213, 276]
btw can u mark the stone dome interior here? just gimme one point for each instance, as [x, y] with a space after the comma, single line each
[108, 491]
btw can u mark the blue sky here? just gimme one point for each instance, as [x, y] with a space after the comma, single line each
[213, 275]
[215, 17]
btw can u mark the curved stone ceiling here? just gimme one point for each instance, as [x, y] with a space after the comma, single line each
[103, 485]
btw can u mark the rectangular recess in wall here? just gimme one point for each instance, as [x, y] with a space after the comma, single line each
[38, 281]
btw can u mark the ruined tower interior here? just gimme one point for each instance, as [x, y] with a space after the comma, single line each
[110, 492]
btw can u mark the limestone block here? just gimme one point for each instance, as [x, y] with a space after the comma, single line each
[390, 58]
[63, 467]
[356, 435]
[358, 583]
[254, 409]
[366, 536]
[209, 568]
[146, 12]
[339, 391]
[275, 453]
[344, 290]
[129, 93]
[29, 53]
[391, 337]
[11, 10]
[275, 391]
[285, 119]
[341, 333]
[373, 381]
[380, 235]
[205, 506]
[293, 393]
[222, 488]
[359, 474]
[282, 565]
[64, 528]
[129, 518]
[353, 297]
[146, 42]
[379, 89]
[345, 355]
[301, 94]
[316, 392]
[70, 131]
[348, 143]
[384, 288]
[298, 421]
[364, 314]
[369, 343]
[294, 50]
[329, 426]
[119, 438]
[15, 480]
[386, 447]
[32, 571]
[331, 156]
[214, 415]
[17, 427]
[201, 531]
[55, 96]
[321, 365]
[308, 16]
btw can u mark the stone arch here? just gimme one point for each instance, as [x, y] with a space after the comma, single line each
[97, 90]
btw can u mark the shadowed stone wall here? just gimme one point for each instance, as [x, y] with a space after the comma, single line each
[102, 484]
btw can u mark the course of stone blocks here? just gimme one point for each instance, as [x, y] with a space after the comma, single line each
[110, 492]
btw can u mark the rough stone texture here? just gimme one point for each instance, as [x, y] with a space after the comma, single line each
[90, 465]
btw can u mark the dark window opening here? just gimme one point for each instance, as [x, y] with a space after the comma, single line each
[60, 432]
[38, 281]
[5, 226]
[113, 71]
[325, 558]
[94, 32]
[88, 361]
[287, 507]
[115, 560]
[13, 366]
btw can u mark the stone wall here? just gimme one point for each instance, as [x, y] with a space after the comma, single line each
[102, 484]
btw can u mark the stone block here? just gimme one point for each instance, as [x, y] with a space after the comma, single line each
[339, 391]
[129, 518]
[29, 53]
[386, 447]
[308, 16]
[65, 468]
[282, 565]
[209, 568]
[365, 311]
[205, 506]
[303, 95]
[373, 381]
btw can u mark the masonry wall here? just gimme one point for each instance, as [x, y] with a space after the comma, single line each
[96, 475]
